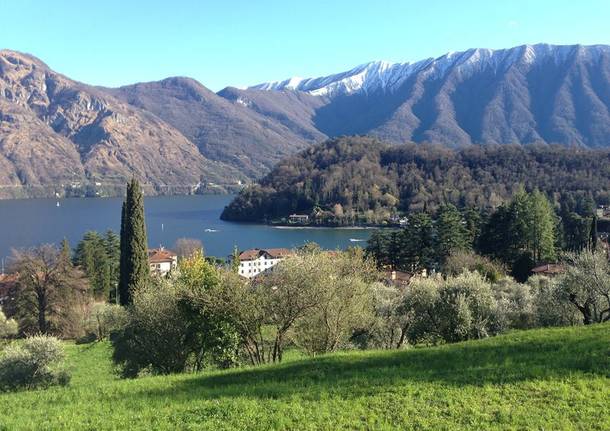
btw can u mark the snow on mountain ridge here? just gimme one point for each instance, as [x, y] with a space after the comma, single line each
[383, 75]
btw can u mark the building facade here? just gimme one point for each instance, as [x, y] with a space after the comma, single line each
[255, 261]
[162, 261]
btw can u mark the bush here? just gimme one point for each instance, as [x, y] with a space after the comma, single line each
[174, 326]
[460, 261]
[419, 310]
[466, 308]
[33, 363]
[550, 307]
[516, 307]
[8, 327]
[319, 299]
[387, 329]
[154, 336]
[586, 285]
[104, 319]
[456, 309]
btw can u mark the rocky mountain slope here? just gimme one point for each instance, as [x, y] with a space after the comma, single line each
[57, 134]
[61, 136]
[224, 129]
[540, 93]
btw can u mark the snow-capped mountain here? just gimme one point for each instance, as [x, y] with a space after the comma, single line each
[176, 131]
[386, 76]
[366, 77]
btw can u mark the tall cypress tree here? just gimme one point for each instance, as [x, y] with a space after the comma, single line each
[594, 233]
[134, 269]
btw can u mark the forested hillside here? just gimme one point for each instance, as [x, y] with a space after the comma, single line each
[363, 180]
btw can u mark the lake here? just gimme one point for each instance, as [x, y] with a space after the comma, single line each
[29, 222]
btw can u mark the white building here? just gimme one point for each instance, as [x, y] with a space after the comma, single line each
[253, 262]
[162, 261]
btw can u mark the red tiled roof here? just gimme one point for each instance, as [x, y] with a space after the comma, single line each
[273, 253]
[8, 278]
[397, 277]
[550, 268]
[160, 255]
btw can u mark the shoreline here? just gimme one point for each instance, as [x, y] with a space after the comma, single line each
[329, 227]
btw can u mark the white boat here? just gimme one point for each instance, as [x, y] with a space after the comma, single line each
[211, 230]
[357, 240]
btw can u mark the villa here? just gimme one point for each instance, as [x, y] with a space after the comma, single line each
[162, 261]
[255, 261]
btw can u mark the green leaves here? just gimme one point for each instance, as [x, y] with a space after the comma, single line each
[134, 267]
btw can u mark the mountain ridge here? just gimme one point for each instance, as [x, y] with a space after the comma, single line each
[60, 136]
[382, 74]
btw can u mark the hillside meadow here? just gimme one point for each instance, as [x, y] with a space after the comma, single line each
[551, 379]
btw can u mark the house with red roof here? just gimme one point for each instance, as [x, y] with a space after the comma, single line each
[162, 261]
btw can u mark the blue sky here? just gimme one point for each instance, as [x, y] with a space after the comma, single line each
[240, 42]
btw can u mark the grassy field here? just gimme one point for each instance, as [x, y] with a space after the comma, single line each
[543, 379]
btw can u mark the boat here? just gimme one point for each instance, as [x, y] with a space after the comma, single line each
[357, 240]
[211, 230]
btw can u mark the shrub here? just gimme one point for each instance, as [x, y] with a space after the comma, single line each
[33, 363]
[466, 308]
[586, 285]
[456, 309]
[516, 307]
[550, 307]
[460, 261]
[418, 310]
[318, 299]
[8, 327]
[387, 329]
[155, 333]
[104, 319]
[174, 325]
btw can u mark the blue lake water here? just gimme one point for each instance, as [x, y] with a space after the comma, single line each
[30, 222]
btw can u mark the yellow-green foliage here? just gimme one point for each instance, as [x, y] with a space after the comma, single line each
[8, 327]
[551, 379]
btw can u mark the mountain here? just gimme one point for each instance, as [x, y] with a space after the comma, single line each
[60, 136]
[528, 94]
[351, 180]
[225, 129]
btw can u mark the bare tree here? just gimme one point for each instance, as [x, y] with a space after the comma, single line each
[186, 247]
[48, 289]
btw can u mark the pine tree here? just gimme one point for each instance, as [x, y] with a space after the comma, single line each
[134, 267]
[418, 243]
[541, 227]
[452, 232]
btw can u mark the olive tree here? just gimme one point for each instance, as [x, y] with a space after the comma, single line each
[586, 285]
[466, 308]
[35, 362]
[418, 310]
[176, 325]
[550, 306]
[458, 308]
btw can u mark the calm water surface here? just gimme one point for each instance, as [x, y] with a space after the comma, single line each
[29, 222]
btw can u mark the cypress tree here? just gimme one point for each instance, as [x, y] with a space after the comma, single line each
[594, 233]
[134, 269]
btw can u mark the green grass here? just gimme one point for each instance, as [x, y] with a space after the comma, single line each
[550, 379]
